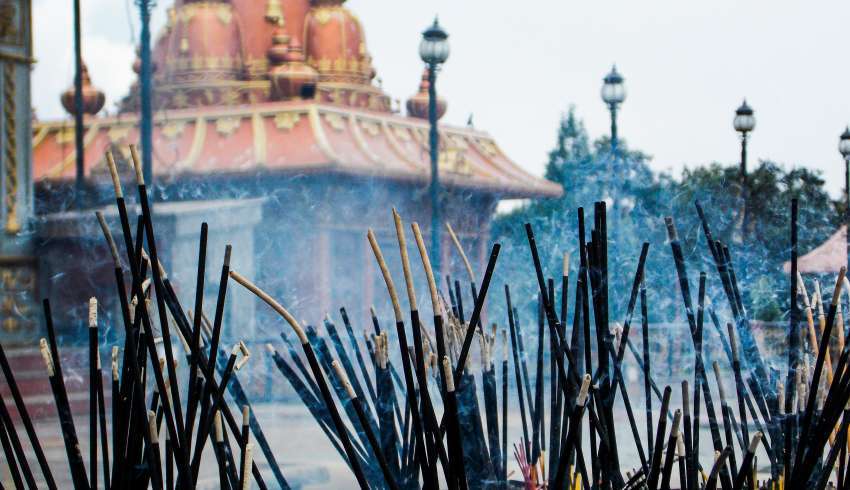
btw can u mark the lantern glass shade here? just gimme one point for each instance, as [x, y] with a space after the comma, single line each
[744, 120]
[844, 144]
[613, 89]
[434, 48]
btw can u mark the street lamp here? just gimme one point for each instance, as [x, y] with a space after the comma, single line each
[744, 122]
[844, 149]
[434, 51]
[613, 94]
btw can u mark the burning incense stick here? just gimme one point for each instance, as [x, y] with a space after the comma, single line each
[35, 443]
[424, 452]
[66, 421]
[361, 415]
[317, 373]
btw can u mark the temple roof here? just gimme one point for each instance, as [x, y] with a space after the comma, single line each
[828, 257]
[287, 87]
[291, 137]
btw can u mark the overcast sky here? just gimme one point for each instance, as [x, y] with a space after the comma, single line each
[518, 66]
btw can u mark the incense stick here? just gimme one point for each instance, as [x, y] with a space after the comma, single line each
[317, 373]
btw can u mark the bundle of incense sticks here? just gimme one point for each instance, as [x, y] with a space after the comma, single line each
[409, 407]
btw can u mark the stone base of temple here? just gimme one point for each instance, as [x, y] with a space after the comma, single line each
[74, 262]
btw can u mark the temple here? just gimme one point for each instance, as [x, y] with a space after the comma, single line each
[268, 111]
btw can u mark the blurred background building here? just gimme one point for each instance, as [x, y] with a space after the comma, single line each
[270, 124]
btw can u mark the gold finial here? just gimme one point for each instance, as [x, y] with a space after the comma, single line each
[274, 13]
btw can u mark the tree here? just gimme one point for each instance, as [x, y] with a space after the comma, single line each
[637, 201]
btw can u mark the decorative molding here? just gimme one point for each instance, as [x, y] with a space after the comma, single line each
[117, 134]
[260, 141]
[402, 133]
[319, 133]
[59, 168]
[335, 121]
[286, 120]
[197, 144]
[65, 135]
[361, 141]
[10, 124]
[488, 147]
[17, 289]
[41, 132]
[173, 129]
[373, 128]
[227, 125]
[391, 135]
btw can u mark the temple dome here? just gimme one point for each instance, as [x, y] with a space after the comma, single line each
[204, 44]
[335, 45]
[93, 99]
[417, 106]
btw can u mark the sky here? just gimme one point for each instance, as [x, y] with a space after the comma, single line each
[517, 67]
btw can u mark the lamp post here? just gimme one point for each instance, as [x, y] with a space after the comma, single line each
[79, 180]
[844, 149]
[146, 95]
[613, 94]
[434, 51]
[744, 122]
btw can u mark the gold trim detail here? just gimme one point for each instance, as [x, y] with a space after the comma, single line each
[65, 135]
[173, 129]
[226, 126]
[117, 134]
[260, 141]
[361, 141]
[371, 127]
[41, 132]
[69, 159]
[197, 144]
[487, 146]
[336, 121]
[394, 144]
[286, 120]
[402, 133]
[321, 137]
[10, 123]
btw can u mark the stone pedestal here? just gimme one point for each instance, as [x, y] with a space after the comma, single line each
[74, 262]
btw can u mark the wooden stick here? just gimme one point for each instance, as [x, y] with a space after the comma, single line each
[454, 436]
[93, 374]
[655, 468]
[422, 449]
[35, 442]
[460, 252]
[671, 450]
[156, 465]
[317, 372]
[746, 465]
[66, 421]
[361, 415]
[9, 453]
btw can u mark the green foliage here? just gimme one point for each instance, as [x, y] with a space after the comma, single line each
[637, 201]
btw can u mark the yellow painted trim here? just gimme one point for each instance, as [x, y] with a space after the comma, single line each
[361, 141]
[40, 135]
[396, 146]
[197, 144]
[319, 133]
[260, 141]
[69, 159]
